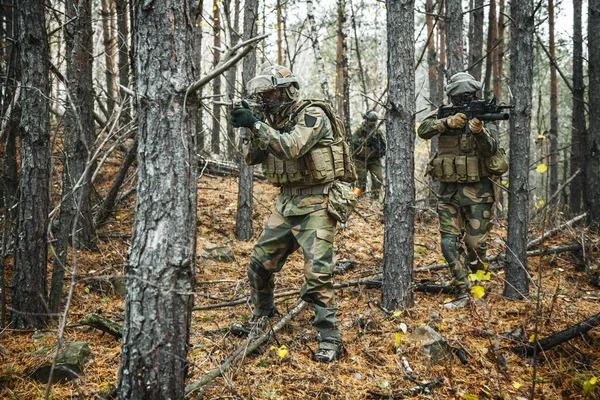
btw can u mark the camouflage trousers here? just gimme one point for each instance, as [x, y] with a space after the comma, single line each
[463, 227]
[373, 167]
[313, 233]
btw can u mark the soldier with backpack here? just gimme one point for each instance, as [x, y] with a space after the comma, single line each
[301, 146]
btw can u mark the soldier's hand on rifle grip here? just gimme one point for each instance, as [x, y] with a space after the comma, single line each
[242, 117]
[456, 121]
[476, 126]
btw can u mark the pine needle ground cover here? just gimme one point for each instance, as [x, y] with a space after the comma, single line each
[385, 351]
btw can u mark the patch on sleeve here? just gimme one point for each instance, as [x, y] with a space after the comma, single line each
[309, 120]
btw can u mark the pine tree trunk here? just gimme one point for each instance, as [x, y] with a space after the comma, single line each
[521, 48]
[361, 71]
[243, 220]
[553, 104]
[342, 82]
[162, 258]
[592, 142]
[317, 50]
[491, 42]
[108, 55]
[31, 257]
[578, 117]
[396, 292]
[123, 52]
[216, 117]
[454, 46]
[476, 44]
[232, 72]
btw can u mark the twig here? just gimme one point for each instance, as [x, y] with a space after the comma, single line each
[244, 350]
[423, 388]
[554, 231]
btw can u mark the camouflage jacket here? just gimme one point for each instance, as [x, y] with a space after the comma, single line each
[368, 144]
[486, 143]
[287, 142]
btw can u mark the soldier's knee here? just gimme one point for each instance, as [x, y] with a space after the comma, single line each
[476, 242]
[258, 277]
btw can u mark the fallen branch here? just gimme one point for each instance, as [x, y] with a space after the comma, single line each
[554, 231]
[104, 324]
[244, 350]
[557, 338]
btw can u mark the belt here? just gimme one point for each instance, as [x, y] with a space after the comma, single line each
[316, 189]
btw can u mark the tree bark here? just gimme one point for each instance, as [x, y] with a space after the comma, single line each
[161, 267]
[553, 103]
[578, 116]
[122, 7]
[454, 44]
[108, 55]
[342, 91]
[476, 41]
[232, 72]
[31, 256]
[592, 142]
[317, 50]
[216, 111]
[243, 221]
[399, 200]
[491, 42]
[521, 48]
[361, 71]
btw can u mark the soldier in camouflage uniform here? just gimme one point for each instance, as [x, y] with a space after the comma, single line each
[295, 144]
[466, 190]
[368, 147]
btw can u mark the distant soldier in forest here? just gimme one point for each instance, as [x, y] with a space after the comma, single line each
[466, 190]
[299, 144]
[368, 147]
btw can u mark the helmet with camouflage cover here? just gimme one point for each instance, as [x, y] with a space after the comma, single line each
[371, 115]
[462, 87]
[272, 78]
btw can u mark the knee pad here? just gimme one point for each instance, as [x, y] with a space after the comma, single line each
[258, 277]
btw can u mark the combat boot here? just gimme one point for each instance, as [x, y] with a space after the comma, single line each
[254, 327]
[462, 284]
[328, 354]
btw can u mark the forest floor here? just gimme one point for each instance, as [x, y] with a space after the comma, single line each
[561, 295]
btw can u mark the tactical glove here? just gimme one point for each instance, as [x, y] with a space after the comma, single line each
[456, 121]
[475, 126]
[242, 117]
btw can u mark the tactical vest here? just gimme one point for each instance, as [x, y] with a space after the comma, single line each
[458, 159]
[322, 164]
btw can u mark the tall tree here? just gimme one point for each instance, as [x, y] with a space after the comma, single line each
[76, 211]
[491, 43]
[399, 200]
[516, 284]
[231, 76]
[361, 71]
[31, 255]
[476, 39]
[553, 103]
[109, 47]
[314, 34]
[342, 81]
[454, 37]
[243, 220]
[592, 141]
[122, 10]
[216, 111]
[161, 267]
[578, 116]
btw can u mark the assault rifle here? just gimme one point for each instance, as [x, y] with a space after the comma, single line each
[480, 109]
[239, 103]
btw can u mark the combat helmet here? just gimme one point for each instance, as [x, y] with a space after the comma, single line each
[371, 115]
[273, 77]
[462, 86]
